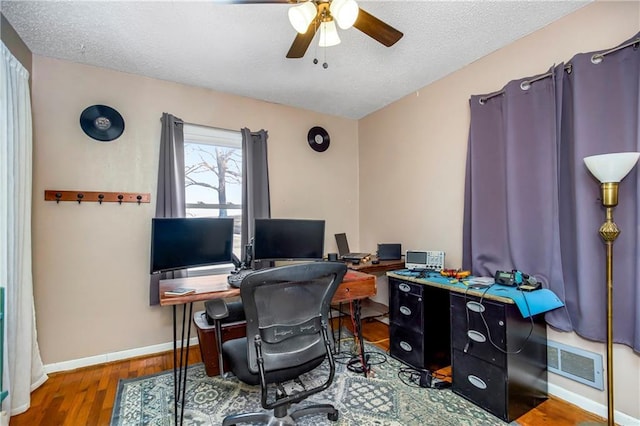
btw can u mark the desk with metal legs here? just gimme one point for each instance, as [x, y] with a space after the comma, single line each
[354, 287]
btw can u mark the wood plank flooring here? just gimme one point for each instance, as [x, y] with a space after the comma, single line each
[86, 396]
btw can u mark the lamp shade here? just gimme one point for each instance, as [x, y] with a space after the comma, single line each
[611, 167]
[302, 15]
[345, 12]
[328, 34]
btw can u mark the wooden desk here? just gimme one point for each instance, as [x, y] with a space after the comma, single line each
[354, 287]
[383, 266]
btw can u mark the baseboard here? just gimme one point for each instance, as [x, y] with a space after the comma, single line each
[590, 405]
[113, 356]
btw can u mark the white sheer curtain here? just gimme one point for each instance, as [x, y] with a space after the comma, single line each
[22, 366]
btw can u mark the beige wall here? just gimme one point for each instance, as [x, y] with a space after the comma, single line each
[412, 156]
[91, 261]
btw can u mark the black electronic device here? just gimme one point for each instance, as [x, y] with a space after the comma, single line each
[288, 239]
[390, 251]
[517, 278]
[505, 278]
[235, 277]
[180, 243]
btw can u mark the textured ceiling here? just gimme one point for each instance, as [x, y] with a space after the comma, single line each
[241, 48]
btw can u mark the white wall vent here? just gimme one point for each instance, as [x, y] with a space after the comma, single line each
[575, 363]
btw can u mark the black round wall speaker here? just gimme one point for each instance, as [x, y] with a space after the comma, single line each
[102, 123]
[318, 139]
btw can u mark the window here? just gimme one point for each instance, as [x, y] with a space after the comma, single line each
[213, 175]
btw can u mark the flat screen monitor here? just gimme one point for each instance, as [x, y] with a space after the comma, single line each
[288, 239]
[179, 243]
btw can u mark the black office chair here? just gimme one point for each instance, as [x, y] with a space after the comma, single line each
[286, 309]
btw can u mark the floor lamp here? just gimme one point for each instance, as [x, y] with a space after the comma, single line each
[610, 169]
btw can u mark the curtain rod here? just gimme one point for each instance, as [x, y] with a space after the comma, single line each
[176, 121]
[525, 84]
[596, 59]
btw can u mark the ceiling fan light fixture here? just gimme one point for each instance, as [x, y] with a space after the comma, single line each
[345, 12]
[328, 34]
[302, 15]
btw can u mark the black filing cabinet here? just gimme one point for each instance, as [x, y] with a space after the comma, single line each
[419, 327]
[499, 358]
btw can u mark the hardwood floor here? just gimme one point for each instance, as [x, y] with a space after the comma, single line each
[86, 396]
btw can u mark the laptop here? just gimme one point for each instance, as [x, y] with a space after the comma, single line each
[343, 249]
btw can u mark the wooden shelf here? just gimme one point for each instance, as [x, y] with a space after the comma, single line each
[96, 196]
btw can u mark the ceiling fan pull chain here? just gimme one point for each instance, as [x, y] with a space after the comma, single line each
[315, 55]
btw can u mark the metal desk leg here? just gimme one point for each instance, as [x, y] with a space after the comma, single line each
[358, 333]
[180, 365]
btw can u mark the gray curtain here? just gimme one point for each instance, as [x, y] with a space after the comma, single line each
[170, 198]
[601, 110]
[255, 181]
[531, 204]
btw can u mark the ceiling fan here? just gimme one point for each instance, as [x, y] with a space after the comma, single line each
[309, 16]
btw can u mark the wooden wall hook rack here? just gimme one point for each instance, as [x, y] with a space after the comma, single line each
[96, 196]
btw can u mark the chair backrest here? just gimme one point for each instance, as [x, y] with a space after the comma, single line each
[285, 306]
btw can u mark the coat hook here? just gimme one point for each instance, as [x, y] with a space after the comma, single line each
[100, 198]
[139, 197]
[58, 196]
[120, 197]
[80, 197]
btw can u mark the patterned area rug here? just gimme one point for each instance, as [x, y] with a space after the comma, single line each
[382, 399]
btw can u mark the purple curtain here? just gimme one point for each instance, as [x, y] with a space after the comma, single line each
[600, 115]
[170, 194]
[531, 204]
[511, 208]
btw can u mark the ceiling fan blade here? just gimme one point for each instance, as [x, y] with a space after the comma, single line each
[302, 41]
[376, 29]
[253, 1]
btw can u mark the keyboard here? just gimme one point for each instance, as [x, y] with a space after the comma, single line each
[235, 277]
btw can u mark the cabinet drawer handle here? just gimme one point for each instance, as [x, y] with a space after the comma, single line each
[476, 336]
[404, 310]
[404, 345]
[404, 288]
[476, 381]
[475, 306]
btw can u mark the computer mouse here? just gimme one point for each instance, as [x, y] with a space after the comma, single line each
[355, 262]
[375, 261]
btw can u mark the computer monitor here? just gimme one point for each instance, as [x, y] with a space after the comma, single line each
[180, 243]
[288, 239]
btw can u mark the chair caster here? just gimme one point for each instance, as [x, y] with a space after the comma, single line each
[333, 416]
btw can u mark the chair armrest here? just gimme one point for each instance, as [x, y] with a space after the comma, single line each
[217, 309]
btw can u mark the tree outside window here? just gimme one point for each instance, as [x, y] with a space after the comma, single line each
[213, 175]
